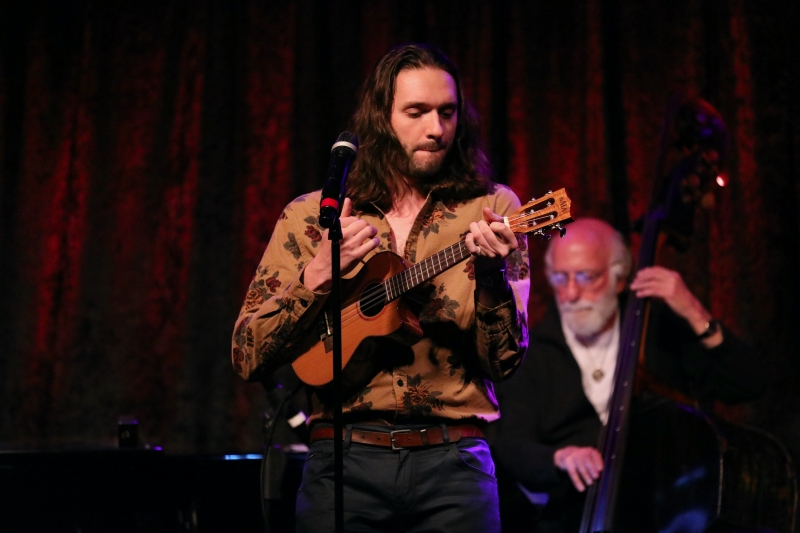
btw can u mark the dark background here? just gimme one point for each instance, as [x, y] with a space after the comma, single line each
[146, 149]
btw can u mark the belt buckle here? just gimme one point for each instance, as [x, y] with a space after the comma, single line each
[391, 437]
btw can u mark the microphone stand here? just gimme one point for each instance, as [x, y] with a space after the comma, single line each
[342, 154]
[335, 236]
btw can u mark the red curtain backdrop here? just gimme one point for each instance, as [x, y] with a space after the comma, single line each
[146, 150]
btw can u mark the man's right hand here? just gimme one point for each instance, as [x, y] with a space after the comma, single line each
[358, 239]
[582, 463]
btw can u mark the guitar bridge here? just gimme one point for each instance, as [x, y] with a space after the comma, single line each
[325, 332]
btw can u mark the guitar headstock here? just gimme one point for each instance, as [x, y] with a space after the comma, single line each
[542, 215]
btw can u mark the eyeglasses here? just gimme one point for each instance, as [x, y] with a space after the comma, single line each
[583, 278]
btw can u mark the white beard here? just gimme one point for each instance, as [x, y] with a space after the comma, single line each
[587, 319]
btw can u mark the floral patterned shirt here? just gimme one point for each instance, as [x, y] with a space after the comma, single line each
[448, 373]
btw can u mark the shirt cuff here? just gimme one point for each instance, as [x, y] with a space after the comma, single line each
[298, 299]
[496, 319]
[304, 297]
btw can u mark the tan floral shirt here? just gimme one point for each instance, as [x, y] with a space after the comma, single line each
[465, 347]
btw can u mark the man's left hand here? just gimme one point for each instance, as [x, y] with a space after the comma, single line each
[490, 241]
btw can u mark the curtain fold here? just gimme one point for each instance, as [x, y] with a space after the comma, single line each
[146, 152]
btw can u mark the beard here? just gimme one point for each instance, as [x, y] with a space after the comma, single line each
[587, 319]
[424, 163]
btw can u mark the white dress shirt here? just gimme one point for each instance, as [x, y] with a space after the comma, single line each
[601, 355]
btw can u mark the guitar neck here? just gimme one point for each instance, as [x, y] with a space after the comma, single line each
[418, 274]
[537, 217]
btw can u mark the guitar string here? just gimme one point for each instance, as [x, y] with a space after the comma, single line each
[379, 292]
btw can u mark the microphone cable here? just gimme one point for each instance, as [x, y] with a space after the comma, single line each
[269, 433]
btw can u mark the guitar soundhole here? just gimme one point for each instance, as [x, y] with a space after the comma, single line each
[373, 300]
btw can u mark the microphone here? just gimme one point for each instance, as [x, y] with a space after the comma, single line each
[342, 154]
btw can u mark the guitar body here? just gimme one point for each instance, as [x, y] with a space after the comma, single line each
[688, 471]
[365, 314]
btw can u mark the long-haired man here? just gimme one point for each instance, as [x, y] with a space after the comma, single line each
[415, 456]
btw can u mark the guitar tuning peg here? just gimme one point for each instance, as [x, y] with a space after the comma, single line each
[546, 237]
[533, 198]
[562, 231]
[549, 192]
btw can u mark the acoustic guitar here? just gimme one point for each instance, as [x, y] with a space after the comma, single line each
[373, 304]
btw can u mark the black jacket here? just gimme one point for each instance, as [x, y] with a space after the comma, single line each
[543, 406]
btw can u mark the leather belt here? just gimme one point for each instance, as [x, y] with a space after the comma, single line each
[402, 438]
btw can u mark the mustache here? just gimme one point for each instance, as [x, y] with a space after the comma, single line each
[569, 307]
[429, 147]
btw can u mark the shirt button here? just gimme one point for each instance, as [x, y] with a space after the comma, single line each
[399, 382]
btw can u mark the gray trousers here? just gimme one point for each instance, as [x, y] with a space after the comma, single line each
[445, 488]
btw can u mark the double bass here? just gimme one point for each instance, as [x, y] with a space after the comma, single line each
[670, 467]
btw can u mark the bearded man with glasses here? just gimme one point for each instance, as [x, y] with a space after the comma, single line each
[555, 406]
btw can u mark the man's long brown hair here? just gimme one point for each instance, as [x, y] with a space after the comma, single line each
[377, 175]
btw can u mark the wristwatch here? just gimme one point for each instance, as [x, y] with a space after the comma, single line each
[712, 326]
[497, 278]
